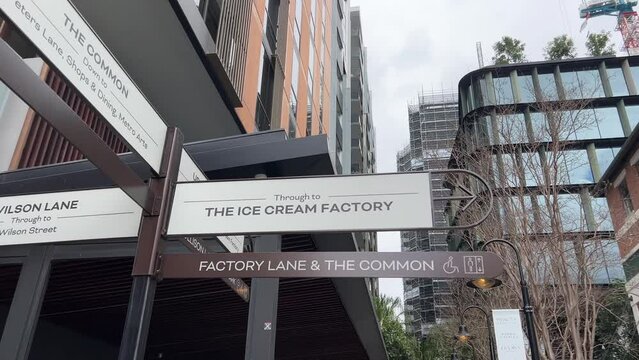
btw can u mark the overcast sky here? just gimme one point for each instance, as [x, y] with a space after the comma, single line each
[430, 44]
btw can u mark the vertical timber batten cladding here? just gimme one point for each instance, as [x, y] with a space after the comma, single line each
[41, 144]
[44, 145]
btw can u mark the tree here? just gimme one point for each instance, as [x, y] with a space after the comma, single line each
[616, 336]
[509, 50]
[559, 48]
[599, 44]
[399, 344]
[559, 231]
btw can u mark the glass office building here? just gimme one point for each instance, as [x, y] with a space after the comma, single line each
[541, 127]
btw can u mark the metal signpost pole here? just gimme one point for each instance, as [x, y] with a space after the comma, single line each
[262, 319]
[146, 264]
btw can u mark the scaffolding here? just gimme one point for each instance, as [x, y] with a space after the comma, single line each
[433, 120]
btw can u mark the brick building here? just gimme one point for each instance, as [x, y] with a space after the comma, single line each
[621, 184]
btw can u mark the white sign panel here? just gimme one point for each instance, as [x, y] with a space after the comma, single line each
[68, 216]
[509, 335]
[67, 41]
[333, 203]
[189, 171]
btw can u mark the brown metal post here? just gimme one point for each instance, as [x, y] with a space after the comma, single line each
[146, 263]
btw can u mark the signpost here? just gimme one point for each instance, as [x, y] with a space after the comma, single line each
[379, 202]
[68, 216]
[315, 204]
[438, 264]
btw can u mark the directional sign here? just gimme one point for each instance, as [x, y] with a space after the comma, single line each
[313, 204]
[189, 171]
[334, 264]
[72, 47]
[68, 216]
[238, 285]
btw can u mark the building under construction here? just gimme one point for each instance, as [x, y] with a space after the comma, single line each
[433, 125]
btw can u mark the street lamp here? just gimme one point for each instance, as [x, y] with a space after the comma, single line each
[464, 336]
[485, 283]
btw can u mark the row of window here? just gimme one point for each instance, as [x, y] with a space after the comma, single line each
[580, 84]
[584, 124]
[567, 167]
[533, 214]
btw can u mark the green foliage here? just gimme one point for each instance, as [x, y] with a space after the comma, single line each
[438, 344]
[399, 344]
[559, 48]
[509, 50]
[598, 44]
[616, 335]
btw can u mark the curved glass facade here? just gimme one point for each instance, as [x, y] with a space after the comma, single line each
[550, 125]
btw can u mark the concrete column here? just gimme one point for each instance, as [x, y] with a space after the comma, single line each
[623, 117]
[536, 84]
[561, 91]
[594, 162]
[605, 81]
[514, 83]
[586, 204]
[490, 89]
[630, 81]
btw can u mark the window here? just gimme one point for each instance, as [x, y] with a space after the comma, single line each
[625, 197]
[503, 90]
[571, 213]
[292, 126]
[605, 157]
[211, 11]
[526, 88]
[573, 167]
[601, 214]
[633, 115]
[634, 70]
[548, 87]
[533, 171]
[295, 72]
[512, 129]
[540, 130]
[298, 22]
[584, 84]
[609, 122]
[617, 82]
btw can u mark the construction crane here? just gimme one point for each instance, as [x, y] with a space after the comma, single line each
[627, 19]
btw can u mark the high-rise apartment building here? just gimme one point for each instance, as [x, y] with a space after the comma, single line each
[432, 123]
[214, 69]
[362, 140]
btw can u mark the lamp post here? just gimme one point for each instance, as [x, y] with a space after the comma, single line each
[463, 335]
[484, 283]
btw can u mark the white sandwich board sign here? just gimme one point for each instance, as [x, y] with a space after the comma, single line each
[509, 335]
[378, 202]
